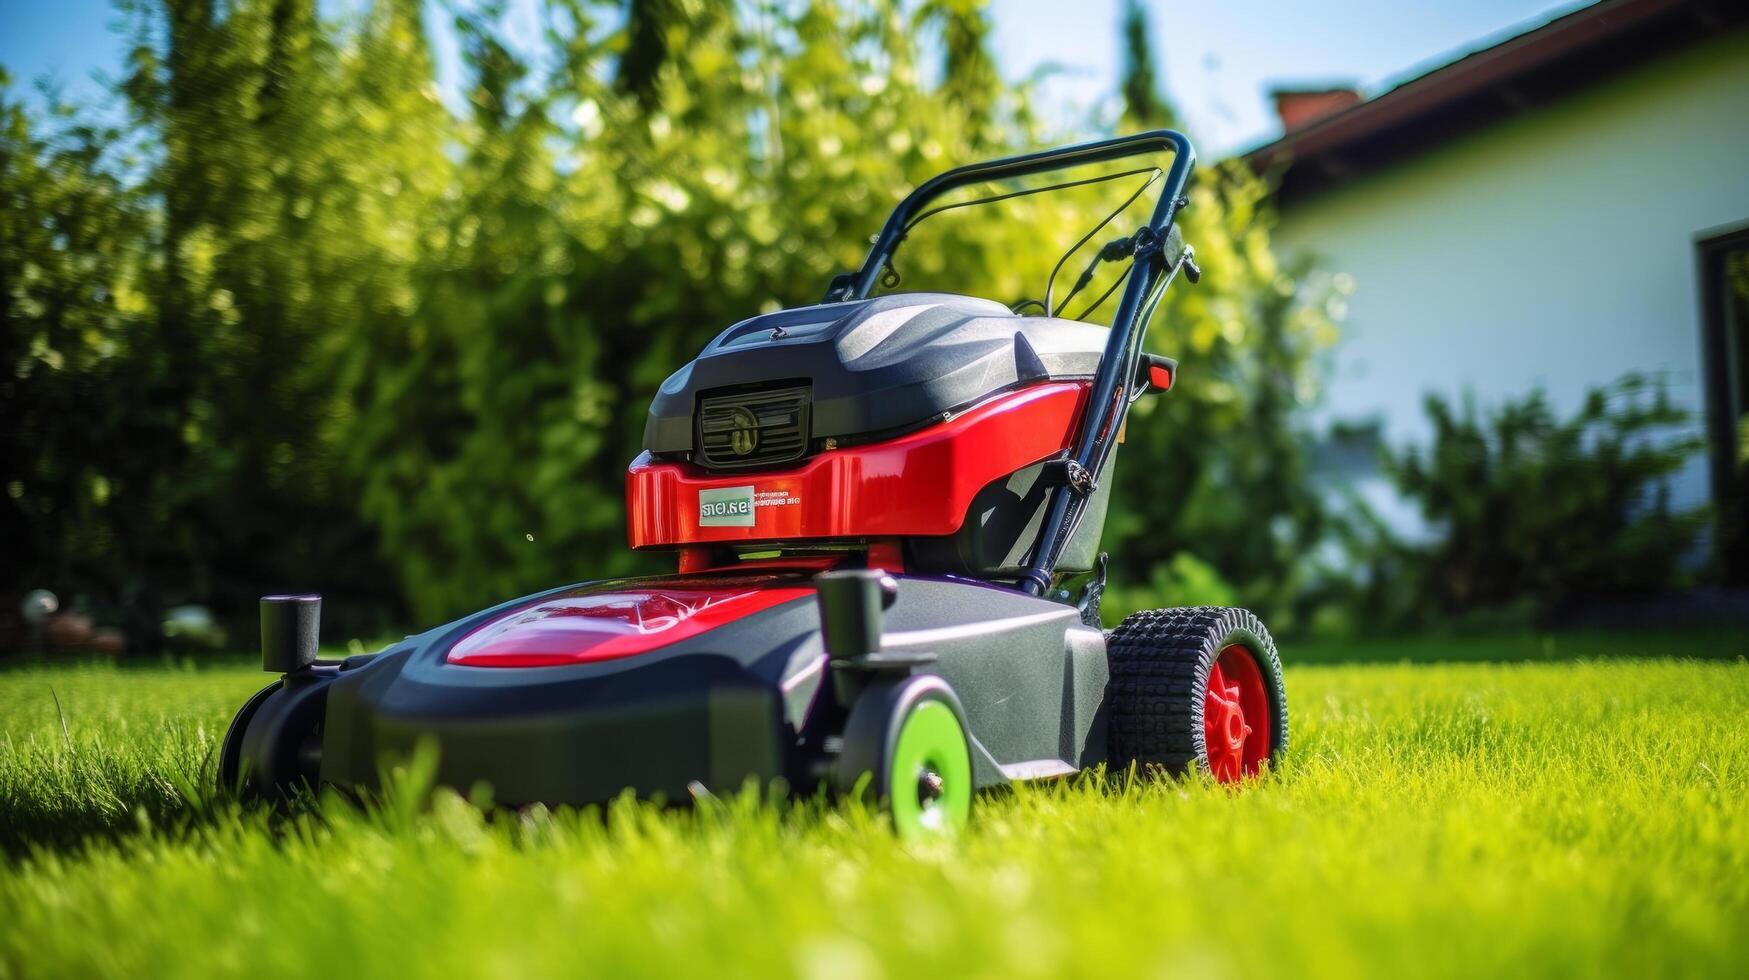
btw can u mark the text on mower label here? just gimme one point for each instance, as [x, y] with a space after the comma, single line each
[735, 506]
[726, 507]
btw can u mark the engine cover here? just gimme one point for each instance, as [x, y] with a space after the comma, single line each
[770, 390]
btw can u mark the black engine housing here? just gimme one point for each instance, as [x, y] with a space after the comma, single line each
[872, 368]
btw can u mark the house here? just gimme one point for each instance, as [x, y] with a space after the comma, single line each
[1553, 210]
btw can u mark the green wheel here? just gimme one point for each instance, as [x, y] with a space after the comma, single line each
[929, 784]
[905, 746]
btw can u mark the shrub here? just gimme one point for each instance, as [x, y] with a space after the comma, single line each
[1532, 511]
[1184, 580]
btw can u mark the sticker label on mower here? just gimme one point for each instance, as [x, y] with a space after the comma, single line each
[726, 507]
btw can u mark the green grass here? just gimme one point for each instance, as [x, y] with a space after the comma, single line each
[1701, 643]
[1569, 818]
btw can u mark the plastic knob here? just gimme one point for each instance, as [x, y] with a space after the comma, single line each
[290, 627]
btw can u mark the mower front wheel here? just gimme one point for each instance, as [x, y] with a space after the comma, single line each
[230, 775]
[273, 748]
[906, 750]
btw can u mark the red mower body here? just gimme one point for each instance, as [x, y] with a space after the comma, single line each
[916, 485]
[584, 626]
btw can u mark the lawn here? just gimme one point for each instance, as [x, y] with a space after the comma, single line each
[1568, 817]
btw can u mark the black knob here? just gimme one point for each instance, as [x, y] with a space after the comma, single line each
[851, 601]
[290, 626]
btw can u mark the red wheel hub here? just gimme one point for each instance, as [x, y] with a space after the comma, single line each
[1235, 716]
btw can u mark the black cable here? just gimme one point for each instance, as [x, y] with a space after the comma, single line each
[1154, 173]
[1150, 305]
[1111, 251]
[1087, 274]
[1024, 192]
[1105, 295]
[1104, 254]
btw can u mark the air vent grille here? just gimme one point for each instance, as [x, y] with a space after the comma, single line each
[753, 428]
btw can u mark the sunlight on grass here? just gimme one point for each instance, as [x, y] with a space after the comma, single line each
[1568, 818]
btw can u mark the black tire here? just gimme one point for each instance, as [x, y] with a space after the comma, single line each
[230, 774]
[273, 747]
[1160, 662]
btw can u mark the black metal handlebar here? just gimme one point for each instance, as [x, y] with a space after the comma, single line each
[1157, 251]
[862, 282]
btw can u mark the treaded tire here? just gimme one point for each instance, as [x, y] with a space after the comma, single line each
[1160, 661]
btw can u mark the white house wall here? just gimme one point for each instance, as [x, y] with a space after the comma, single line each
[1556, 249]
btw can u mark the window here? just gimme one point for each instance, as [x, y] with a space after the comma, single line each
[1724, 272]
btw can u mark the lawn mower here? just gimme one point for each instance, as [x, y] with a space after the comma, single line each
[879, 505]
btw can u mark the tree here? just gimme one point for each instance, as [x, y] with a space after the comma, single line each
[1550, 510]
[645, 48]
[1233, 499]
[350, 342]
[73, 264]
[1217, 468]
[269, 203]
[969, 76]
[1144, 107]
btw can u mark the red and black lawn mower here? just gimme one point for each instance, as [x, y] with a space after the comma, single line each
[878, 506]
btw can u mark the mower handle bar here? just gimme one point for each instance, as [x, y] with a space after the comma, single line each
[862, 282]
[1157, 253]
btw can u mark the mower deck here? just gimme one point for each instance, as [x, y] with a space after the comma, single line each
[739, 700]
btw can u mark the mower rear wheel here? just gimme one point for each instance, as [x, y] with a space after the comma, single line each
[906, 751]
[1196, 688]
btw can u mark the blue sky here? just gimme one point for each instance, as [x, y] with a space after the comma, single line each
[1220, 57]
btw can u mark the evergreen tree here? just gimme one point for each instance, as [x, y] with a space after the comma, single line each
[969, 76]
[1144, 105]
[268, 153]
[76, 341]
[645, 48]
